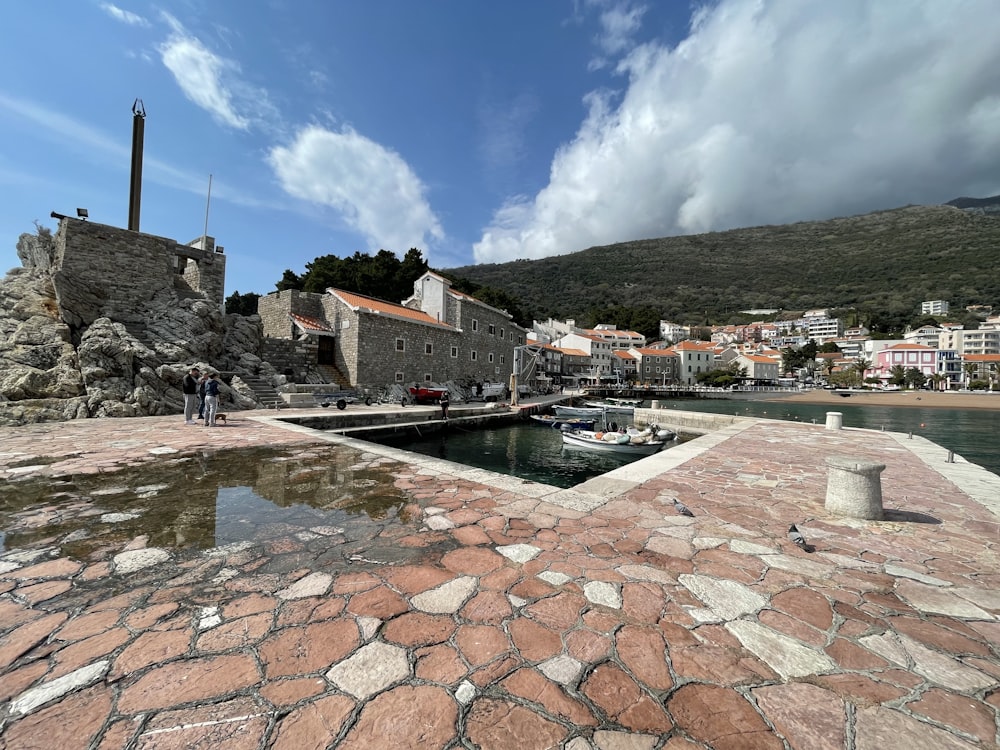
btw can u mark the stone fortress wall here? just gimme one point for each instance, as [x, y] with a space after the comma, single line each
[105, 271]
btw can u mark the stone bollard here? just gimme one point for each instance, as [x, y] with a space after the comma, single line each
[854, 488]
[654, 404]
[834, 420]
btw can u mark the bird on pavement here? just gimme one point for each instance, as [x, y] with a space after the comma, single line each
[796, 536]
[682, 508]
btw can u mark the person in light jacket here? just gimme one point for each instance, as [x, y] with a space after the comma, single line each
[211, 399]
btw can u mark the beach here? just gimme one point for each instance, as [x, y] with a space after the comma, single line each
[925, 399]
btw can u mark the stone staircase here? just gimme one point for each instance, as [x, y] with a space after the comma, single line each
[332, 374]
[264, 392]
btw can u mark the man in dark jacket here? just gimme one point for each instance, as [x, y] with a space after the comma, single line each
[190, 390]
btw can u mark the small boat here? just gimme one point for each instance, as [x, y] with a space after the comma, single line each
[578, 411]
[630, 442]
[565, 423]
[427, 393]
[620, 406]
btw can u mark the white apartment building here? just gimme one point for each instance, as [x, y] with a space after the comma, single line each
[600, 353]
[673, 331]
[925, 335]
[822, 328]
[934, 307]
[983, 340]
[619, 340]
[694, 357]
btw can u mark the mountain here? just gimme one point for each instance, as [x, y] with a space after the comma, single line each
[985, 203]
[884, 263]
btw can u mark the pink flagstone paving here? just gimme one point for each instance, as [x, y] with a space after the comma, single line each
[518, 619]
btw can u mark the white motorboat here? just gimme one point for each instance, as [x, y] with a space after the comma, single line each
[578, 411]
[631, 441]
[616, 405]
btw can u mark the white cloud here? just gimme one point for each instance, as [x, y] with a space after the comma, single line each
[127, 17]
[769, 112]
[371, 187]
[213, 82]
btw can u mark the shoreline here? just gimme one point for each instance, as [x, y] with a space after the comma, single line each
[922, 399]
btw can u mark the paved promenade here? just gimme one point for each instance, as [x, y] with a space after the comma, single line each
[497, 613]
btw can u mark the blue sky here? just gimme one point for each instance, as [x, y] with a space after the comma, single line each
[489, 131]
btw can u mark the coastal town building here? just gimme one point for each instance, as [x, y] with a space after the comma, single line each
[437, 335]
[934, 307]
[906, 356]
[694, 358]
[656, 366]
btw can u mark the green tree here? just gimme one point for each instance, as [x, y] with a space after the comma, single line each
[915, 378]
[242, 304]
[289, 280]
[897, 375]
[828, 347]
[970, 369]
[861, 366]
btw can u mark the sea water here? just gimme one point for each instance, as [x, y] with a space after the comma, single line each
[973, 434]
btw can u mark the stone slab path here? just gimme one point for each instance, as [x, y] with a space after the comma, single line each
[524, 617]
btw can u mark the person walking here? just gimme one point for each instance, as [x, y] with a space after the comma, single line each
[201, 396]
[190, 390]
[444, 402]
[211, 399]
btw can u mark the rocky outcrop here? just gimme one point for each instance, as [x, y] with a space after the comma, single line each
[64, 357]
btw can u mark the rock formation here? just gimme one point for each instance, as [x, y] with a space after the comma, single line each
[71, 349]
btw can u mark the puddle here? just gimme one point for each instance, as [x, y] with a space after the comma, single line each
[328, 501]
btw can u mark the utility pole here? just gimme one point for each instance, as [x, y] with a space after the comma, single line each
[135, 190]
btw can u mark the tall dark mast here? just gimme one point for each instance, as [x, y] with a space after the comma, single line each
[135, 190]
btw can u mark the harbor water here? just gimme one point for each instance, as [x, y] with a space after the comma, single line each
[973, 434]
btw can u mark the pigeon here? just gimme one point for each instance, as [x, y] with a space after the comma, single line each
[796, 536]
[682, 508]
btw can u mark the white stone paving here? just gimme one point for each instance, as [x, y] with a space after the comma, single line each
[447, 598]
[371, 669]
[519, 553]
[785, 655]
[602, 592]
[31, 699]
[727, 599]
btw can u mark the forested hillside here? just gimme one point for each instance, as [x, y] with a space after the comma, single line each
[882, 264]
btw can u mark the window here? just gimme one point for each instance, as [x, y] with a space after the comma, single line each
[501, 334]
[399, 377]
[400, 345]
[475, 325]
[503, 358]
[490, 358]
[427, 377]
[492, 330]
[454, 352]
[474, 355]
[428, 348]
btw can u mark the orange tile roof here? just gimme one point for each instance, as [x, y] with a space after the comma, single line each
[379, 307]
[310, 325]
[909, 346]
[981, 357]
[648, 352]
[573, 352]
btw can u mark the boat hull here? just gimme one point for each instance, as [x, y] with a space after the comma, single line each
[559, 423]
[577, 411]
[588, 441]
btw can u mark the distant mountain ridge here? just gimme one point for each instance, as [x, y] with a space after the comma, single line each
[963, 202]
[886, 262]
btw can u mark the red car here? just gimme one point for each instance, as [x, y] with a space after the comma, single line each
[427, 393]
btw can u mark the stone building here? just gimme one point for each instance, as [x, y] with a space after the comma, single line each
[99, 270]
[437, 335]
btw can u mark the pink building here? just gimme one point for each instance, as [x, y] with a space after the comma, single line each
[907, 356]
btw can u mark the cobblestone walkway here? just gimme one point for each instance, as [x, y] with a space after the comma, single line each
[523, 617]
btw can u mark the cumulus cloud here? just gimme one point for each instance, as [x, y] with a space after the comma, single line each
[125, 16]
[213, 82]
[370, 187]
[770, 112]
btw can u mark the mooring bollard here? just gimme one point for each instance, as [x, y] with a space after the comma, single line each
[854, 487]
[654, 404]
[834, 420]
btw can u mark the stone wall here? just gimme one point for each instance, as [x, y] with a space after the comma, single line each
[294, 358]
[104, 271]
[274, 309]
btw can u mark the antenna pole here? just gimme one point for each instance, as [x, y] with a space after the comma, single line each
[208, 202]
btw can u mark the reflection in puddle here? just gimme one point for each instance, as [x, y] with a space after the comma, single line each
[325, 500]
